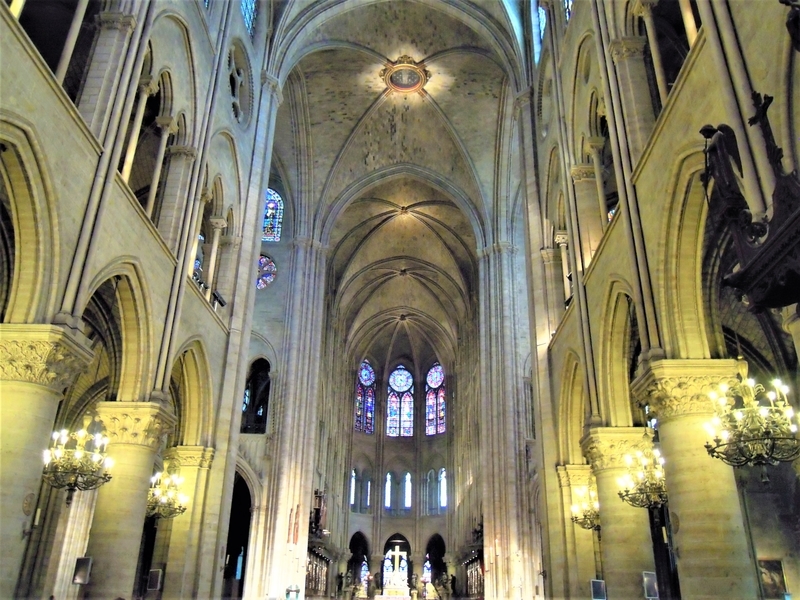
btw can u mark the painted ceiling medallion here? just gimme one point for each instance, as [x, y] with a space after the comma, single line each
[405, 76]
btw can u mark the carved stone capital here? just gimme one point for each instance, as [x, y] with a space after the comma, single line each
[606, 447]
[272, 85]
[136, 423]
[167, 124]
[673, 388]
[583, 172]
[561, 238]
[497, 248]
[218, 222]
[190, 456]
[574, 475]
[116, 20]
[642, 7]
[596, 144]
[625, 48]
[184, 151]
[42, 354]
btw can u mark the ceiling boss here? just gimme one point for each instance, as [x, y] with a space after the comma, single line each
[405, 76]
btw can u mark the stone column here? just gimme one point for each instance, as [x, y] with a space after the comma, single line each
[182, 561]
[16, 7]
[217, 224]
[689, 24]
[176, 191]
[590, 227]
[72, 38]
[105, 69]
[626, 546]
[580, 543]
[168, 126]
[644, 9]
[226, 265]
[596, 145]
[554, 274]
[561, 239]
[628, 57]
[147, 87]
[711, 545]
[36, 363]
[136, 431]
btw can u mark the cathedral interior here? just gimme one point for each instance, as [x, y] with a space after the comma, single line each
[405, 299]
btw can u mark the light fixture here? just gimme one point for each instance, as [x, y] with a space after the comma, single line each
[165, 500]
[586, 512]
[753, 426]
[76, 461]
[644, 485]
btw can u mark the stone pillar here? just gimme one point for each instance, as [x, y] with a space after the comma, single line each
[136, 431]
[36, 363]
[596, 145]
[147, 87]
[176, 191]
[226, 267]
[562, 239]
[626, 546]
[711, 545]
[105, 68]
[689, 24]
[16, 7]
[628, 57]
[590, 226]
[182, 561]
[168, 126]
[72, 38]
[554, 275]
[580, 542]
[644, 9]
[217, 224]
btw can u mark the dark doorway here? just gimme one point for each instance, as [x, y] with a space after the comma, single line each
[238, 537]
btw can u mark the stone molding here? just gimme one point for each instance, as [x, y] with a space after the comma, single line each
[625, 48]
[116, 20]
[673, 388]
[190, 456]
[136, 423]
[583, 172]
[42, 354]
[606, 447]
[496, 248]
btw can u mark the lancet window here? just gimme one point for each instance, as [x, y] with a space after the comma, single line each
[273, 217]
[435, 397]
[365, 399]
[249, 12]
[400, 404]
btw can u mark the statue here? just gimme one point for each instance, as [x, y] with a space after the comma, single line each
[414, 582]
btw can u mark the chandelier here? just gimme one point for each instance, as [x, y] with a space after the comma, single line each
[165, 500]
[586, 512]
[753, 426]
[644, 485]
[76, 461]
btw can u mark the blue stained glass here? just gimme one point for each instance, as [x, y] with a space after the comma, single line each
[435, 376]
[364, 572]
[568, 9]
[611, 213]
[393, 415]
[407, 415]
[369, 411]
[366, 374]
[359, 408]
[542, 21]
[246, 401]
[400, 379]
[273, 217]
[440, 418]
[426, 571]
[430, 412]
[249, 12]
[267, 270]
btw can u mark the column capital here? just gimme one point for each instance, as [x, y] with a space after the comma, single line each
[574, 475]
[186, 151]
[190, 456]
[642, 7]
[218, 222]
[674, 388]
[168, 124]
[606, 447]
[116, 20]
[582, 172]
[625, 48]
[496, 248]
[561, 238]
[45, 355]
[272, 85]
[148, 86]
[596, 144]
[136, 423]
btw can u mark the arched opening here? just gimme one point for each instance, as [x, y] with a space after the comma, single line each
[256, 398]
[7, 250]
[434, 554]
[397, 567]
[238, 538]
[359, 556]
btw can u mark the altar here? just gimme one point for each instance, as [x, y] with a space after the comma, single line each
[395, 581]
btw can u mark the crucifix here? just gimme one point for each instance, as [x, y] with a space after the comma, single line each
[396, 554]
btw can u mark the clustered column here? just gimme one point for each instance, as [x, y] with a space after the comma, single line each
[575, 481]
[626, 547]
[708, 529]
[591, 227]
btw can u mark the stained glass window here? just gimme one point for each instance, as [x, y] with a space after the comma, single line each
[611, 213]
[369, 492]
[364, 572]
[426, 571]
[443, 488]
[273, 217]
[542, 13]
[365, 399]
[353, 487]
[246, 401]
[400, 404]
[387, 492]
[435, 398]
[567, 9]
[249, 12]
[266, 272]
[407, 491]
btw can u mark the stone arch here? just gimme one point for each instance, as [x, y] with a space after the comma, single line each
[680, 292]
[136, 326]
[32, 239]
[251, 478]
[574, 402]
[195, 421]
[614, 365]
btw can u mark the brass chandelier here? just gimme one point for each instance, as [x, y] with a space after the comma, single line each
[753, 426]
[586, 512]
[165, 500]
[76, 461]
[644, 485]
